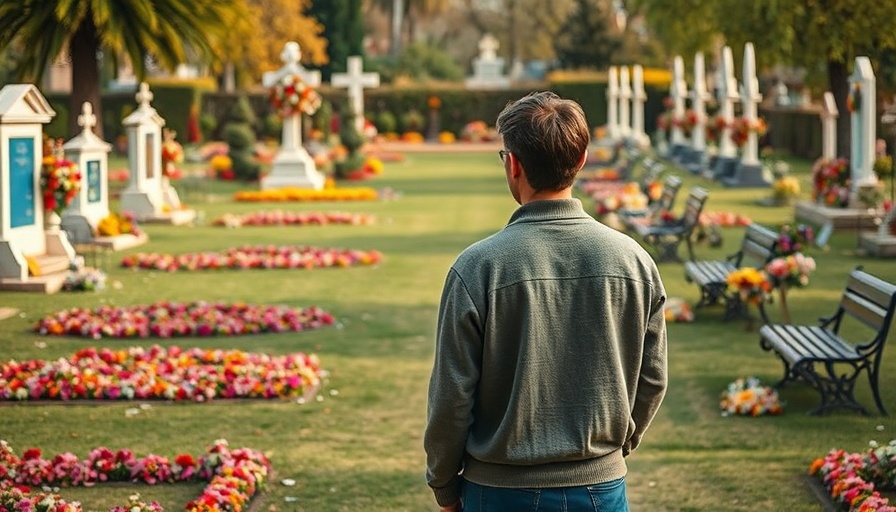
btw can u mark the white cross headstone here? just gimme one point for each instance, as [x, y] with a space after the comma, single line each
[625, 96]
[91, 154]
[699, 97]
[488, 47]
[488, 68]
[863, 119]
[726, 96]
[750, 97]
[639, 97]
[829, 114]
[613, 103]
[143, 194]
[355, 81]
[292, 166]
[678, 91]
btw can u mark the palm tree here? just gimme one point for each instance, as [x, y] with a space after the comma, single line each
[44, 30]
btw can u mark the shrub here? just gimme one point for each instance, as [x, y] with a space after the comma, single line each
[240, 138]
[385, 122]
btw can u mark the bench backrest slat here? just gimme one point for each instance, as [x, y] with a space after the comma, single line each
[870, 300]
[671, 186]
[694, 207]
[758, 246]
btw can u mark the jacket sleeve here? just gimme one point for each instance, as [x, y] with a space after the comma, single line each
[653, 378]
[455, 375]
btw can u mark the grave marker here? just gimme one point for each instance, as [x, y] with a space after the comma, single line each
[829, 114]
[639, 97]
[91, 154]
[292, 166]
[613, 103]
[625, 97]
[678, 91]
[726, 94]
[355, 80]
[749, 171]
[863, 124]
[488, 68]
[699, 97]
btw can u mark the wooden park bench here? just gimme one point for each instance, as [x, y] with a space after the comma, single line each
[652, 213]
[80, 235]
[757, 248]
[830, 361]
[665, 238]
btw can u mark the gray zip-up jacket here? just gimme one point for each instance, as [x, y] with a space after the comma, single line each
[550, 355]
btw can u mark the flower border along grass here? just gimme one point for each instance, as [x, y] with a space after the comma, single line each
[234, 477]
[162, 373]
[254, 257]
[172, 319]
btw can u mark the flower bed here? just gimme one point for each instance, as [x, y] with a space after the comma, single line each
[287, 218]
[307, 194]
[234, 477]
[254, 257]
[171, 319]
[160, 373]
[748, 397]
[852, 479]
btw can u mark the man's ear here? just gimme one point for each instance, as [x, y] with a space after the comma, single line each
[516, 168]
[582, 160]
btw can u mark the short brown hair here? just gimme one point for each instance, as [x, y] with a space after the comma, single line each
[548, 135]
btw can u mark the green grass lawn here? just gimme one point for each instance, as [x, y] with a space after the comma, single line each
[360, 446]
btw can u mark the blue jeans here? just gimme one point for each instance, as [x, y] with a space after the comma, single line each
[604, 497]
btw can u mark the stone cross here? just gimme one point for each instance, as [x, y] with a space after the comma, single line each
[144, 96]
[726, 96]
[625, 96]
[863, 127]
[87, 120]
[829, 114]
[613, 103]
[292, 128]
[355, 81]
[488, 47]
[679, 92]
[750, 97]
[699, 96]
[639, 97]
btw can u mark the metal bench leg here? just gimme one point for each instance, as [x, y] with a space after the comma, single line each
[836, 390]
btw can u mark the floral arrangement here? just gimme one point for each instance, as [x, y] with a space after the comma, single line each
[790, 271]
[715, 126]
[677, 309]
[686, 122]
[116, 224]
[85, 280]
[794, 238]
[254, 257]
[854, 100]
[749, 397]
[870, 195]
[163, 373]
[234, 477]
[287, 218]
[831, 182]
[172, 154]
[446, 137]
[616, 196]
[751, 284]
[413, 137]
[291, 96]
[724, 219]
[170, 319]
[741, 128]
[307, 194]
[221, 167]
[851, 479]
[785, 189]
[477, 131]
[60, 182]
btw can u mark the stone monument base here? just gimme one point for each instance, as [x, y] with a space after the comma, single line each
[695, 161]
[747, 176]
[294, 169]
[53, 267]
[724, 167]
[120, 242]
[875, 244]
[140, 203]
[839, 218]
[173, 217]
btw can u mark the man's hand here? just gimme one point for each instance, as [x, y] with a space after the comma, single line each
[451, 508]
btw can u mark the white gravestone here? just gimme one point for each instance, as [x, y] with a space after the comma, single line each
[699, 97]
[293, 166]
[91, 154]
[488, 68]
[355, 80]
[829, 114]
[613, 103]
[678, 90]
[639, 97]
[625, 97]
[726, 95]
[749, 171]
[864, 129]
[23, 112]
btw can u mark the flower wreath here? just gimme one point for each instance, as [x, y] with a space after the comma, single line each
[748, 397]
[291, 96]
[60, 182]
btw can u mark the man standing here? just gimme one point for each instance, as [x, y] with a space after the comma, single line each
[551, 345]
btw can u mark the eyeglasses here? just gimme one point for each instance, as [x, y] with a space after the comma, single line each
[502, 154]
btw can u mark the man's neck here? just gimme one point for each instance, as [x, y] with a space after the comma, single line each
[545, 195]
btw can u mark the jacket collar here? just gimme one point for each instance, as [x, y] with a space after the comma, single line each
[553, 209]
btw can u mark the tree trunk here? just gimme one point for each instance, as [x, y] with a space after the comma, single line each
[85, 77]
[838, 82]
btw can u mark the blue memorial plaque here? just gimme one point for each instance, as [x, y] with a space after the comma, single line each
[94, 188]
[21, 181]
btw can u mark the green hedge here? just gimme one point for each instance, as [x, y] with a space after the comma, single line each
[794, 129]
